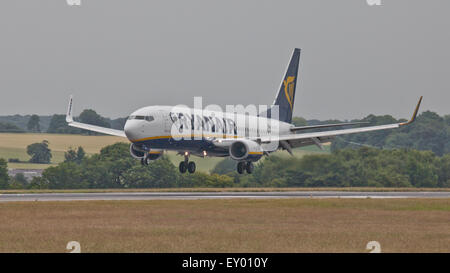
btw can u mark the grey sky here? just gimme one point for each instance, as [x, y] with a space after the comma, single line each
[118, 55]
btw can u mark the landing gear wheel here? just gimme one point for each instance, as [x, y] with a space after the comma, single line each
[191, 167]
[240, 167]
[182, 167]
[142, 162]
[249, 167]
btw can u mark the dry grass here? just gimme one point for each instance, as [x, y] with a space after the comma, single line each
[15, 146]
[278, 225]
[59, 143]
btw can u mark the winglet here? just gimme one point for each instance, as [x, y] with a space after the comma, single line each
[414, 114]
[69, 117]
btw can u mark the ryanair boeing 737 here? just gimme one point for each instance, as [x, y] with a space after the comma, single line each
[154, 129]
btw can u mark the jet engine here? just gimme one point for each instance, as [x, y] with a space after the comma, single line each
[245, 150]
[136, 151]
[139, 153]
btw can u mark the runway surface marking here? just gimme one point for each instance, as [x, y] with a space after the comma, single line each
[213, 195]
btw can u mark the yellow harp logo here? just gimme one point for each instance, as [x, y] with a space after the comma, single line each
[289, 89]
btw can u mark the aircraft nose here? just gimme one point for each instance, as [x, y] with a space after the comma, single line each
[131, 129]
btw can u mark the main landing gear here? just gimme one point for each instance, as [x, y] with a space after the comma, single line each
[245, 165]
[187, 165]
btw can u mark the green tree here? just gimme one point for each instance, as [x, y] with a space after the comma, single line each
[33, 124]
[118, 123]
[299, 121]
[67, 175]
[225, 166]
[58, 125]
[73, 155]
[70, 155]
[4, 177]
[38, 183]
[89, 116]
[203, 180]
[161, 173]
[444, 171]
[428, 132]
[19, 182]
[9, 128]
[39, 152]
[80, 154]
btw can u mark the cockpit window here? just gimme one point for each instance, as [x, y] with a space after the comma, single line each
[147, 118]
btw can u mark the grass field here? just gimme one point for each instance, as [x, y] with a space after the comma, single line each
[14, 146]
[240, 225]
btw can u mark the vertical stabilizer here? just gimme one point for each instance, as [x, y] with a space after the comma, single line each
[286, 94]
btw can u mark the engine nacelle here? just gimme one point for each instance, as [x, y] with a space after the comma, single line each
[139, 153]
[153, 155]
[136, 152]
[245, 150]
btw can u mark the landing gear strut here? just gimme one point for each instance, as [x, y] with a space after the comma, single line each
[247, 166]
[187, 165]
[144, 160]
[240, 167]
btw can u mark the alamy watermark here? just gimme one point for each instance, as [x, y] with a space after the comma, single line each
[374, 2]
[74, 247]
[374, 246]
[212, 122]
[73, 2]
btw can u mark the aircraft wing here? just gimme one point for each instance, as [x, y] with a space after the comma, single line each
[290, 141]
[89, 127]
[321, 137]
[295, 129]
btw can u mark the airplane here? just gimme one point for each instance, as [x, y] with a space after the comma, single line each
[155, 129]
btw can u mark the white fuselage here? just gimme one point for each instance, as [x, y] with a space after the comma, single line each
[160, 127]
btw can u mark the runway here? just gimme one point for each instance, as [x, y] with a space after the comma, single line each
[213, 195]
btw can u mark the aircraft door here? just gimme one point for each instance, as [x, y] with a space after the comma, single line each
[167, 124]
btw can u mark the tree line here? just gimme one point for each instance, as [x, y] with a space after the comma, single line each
[429, 132]
[363, 167]
[114, 168]
[56, 124]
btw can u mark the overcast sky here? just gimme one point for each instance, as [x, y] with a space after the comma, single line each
[115, 56]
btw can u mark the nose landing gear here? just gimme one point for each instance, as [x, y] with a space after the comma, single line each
[145, 160]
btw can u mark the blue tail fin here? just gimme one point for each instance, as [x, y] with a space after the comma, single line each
[286, 94]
